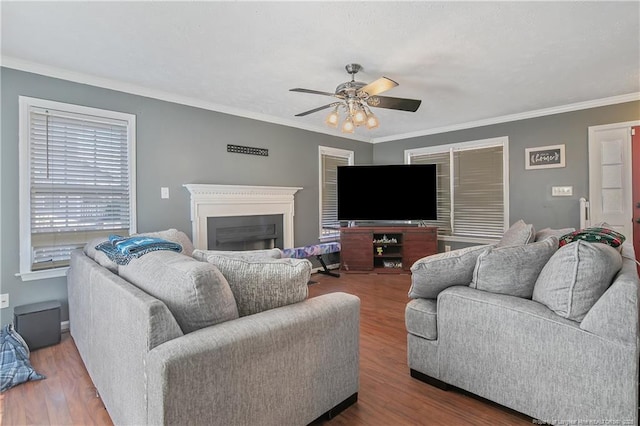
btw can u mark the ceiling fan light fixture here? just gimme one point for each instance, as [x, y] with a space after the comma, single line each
[372, 120]
[359, 117]
[348, 126]
[333, 118]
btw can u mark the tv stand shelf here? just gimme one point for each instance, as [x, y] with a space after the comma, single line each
[385, 249]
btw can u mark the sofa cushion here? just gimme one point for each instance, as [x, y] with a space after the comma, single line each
[421, 318]
[432, 274]
[512, 270]
[274, 253]
[99, 256]
[259, 285]
[196, 293]
[175, 236]
[170, 235]
[519, 233]
[549, 232]
[575, 278]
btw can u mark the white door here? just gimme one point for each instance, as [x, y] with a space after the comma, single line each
[610, 176]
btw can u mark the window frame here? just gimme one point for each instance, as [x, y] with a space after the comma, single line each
[335, 152]
[24, 142]
[502, 141]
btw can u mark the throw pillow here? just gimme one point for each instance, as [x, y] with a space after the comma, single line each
[259, 285]
[594, 235]
[432, 274]
[175, 236]
[14, 360]
[519, 233]
[575, 277]
[274, 253]
[512, 270]
[549, 232]
[196, 293]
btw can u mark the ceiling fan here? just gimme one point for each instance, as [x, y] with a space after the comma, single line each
[356, 97]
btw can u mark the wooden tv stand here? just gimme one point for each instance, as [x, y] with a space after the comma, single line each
[385, 249]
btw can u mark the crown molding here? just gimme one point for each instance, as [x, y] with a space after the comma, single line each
[630, 97]
[134, 89]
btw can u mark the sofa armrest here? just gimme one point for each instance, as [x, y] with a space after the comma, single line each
[287, 365]
[615, 315]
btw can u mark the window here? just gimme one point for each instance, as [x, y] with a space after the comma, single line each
[77, 181]
[473, 188]
[330, 159]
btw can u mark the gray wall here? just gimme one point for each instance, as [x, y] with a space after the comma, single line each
[530, 190]
[176, 144]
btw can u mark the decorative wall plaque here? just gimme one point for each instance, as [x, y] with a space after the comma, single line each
[239, 149]
[544, 157]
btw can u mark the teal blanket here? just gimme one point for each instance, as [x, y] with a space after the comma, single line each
[121, 250]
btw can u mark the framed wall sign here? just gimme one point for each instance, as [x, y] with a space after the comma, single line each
[544, 157]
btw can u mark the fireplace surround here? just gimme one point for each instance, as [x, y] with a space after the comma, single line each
[212, 200]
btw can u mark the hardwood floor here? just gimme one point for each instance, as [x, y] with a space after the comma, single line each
[387, 396]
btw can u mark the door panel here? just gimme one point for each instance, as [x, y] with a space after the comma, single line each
[635, 160]
[610, 181]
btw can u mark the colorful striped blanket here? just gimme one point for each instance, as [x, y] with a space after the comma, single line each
[121, 249]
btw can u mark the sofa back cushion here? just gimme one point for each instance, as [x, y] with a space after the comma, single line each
[575, 277]
[432, 274]
[259, 285]
[519, 233]
[170, 235]
[512, 270]
[196, 293]
[274, 253]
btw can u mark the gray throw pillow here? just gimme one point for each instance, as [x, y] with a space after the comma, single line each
[512, 270]
[274, 253]
[432, 274]
[196, 293]
[519, 233]
[548, 232]
[259, 285]
[175, 236]
[575, 277]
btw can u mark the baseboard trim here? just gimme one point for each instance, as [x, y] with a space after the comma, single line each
[64, 326]
[332, 266]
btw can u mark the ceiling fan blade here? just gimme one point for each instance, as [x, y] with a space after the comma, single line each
[380, 85]
[311, 111]
[388, 102]
[314, 92]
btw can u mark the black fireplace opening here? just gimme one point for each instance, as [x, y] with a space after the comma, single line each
[245, 232]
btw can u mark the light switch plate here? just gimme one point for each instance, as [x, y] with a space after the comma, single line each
[164, 192]
[561, 191]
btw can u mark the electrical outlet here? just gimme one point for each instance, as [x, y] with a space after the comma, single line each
[447, 248]
[4, 300]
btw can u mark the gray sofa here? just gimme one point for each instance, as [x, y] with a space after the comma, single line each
[554, 364]
[186, 355]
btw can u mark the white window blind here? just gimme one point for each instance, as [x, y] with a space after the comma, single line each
[330, 159]
[472, 187]
[80, 181]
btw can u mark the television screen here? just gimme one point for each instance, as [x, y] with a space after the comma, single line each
[387, 192]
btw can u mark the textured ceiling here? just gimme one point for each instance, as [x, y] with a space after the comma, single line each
[467, 61]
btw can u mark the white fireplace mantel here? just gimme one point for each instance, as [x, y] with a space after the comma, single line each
[210, 200]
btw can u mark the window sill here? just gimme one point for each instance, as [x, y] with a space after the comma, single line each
[43, 275]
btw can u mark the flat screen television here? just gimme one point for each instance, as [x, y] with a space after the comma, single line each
[398, 192]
